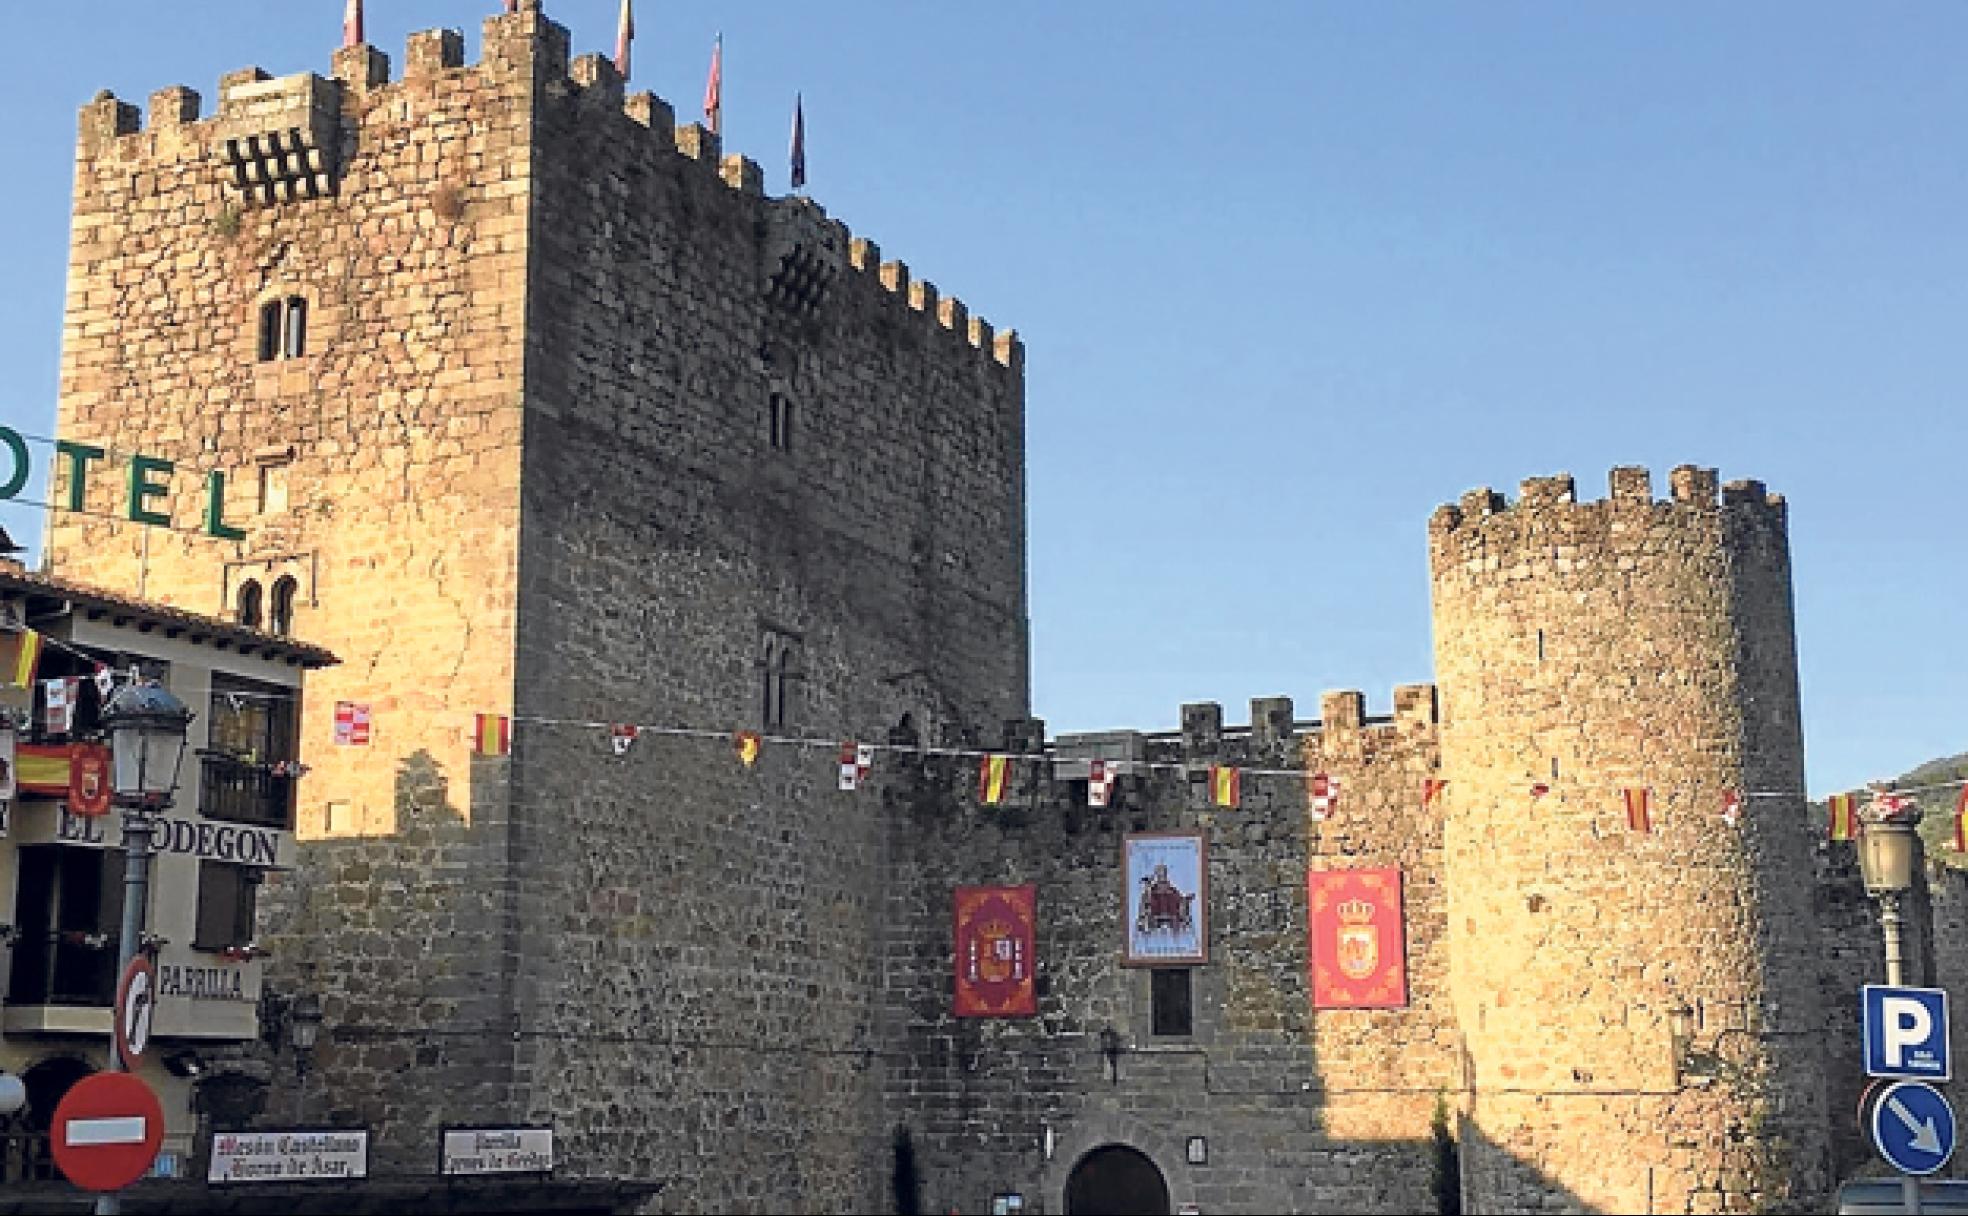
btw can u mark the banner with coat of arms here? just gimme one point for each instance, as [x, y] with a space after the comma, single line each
[995, 952]
[1358, 952]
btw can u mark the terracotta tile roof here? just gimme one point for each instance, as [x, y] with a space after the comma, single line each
[18, 582]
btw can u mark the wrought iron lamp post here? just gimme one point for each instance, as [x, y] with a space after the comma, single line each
[147, 727]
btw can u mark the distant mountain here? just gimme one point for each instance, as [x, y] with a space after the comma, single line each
[1937, 824]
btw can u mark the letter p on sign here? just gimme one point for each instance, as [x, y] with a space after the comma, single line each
[1906, 1032]
[1908, 1027]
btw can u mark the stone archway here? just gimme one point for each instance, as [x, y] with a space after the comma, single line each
[1115, 1180]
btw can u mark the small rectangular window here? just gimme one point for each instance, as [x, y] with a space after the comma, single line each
[228, 896]
[1169, 992]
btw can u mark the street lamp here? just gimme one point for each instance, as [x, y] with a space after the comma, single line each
[304, 1027]
[1889, 858]
[147, 727]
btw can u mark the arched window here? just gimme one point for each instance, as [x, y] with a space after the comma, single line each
[768, 681]
[248, 606]
[780, 687]
[280, 616]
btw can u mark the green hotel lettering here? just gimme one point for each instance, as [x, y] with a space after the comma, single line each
[149, 477]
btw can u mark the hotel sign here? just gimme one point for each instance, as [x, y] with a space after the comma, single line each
[146, 478]
[496, 1150]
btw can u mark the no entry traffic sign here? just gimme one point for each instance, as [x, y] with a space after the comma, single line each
[106, 1131]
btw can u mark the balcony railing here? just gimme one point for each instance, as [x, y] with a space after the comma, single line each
[66, 967]
[242, 791]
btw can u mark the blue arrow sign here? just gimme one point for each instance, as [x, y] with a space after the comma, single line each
[1906, 1032]
[1913, 1126]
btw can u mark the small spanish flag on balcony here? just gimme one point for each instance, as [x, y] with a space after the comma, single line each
[993, 774]
[20, 654]
[1961, 821]
[1431, 789]
[493, 736]
[1226, 785]
[1844, 816]
[1639, 810]
[747, 743]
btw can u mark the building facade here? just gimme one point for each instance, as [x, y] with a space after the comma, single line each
[539, 407]
[62, 856]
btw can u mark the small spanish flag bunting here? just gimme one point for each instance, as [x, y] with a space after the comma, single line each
[1100, 782]
[993, 774]
[493, 737]
[1961, 821]
[748, 744]
[1639, 810]
[1844, 816]
[1226, 785]
[1732, 807]
[855, 761]
[1431, 789]
[1325, 796]
[20, 654]
[622, 737]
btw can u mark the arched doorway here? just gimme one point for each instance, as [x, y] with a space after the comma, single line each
[1115, 1180]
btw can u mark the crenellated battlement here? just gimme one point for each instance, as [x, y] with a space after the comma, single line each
[1630, 489]
[279, 140]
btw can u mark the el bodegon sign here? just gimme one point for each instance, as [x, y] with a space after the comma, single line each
[146, 477]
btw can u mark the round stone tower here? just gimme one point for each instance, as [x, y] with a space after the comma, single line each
[1610, 673]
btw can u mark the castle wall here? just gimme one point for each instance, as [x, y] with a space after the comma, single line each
[1590, 648]
[1301, 1111]
[700, 978]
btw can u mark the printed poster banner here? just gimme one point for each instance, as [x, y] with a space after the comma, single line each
[1359, 944]
[996, 951]
[1165, 902]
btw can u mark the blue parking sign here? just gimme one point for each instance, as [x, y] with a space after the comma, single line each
[1906, 1032]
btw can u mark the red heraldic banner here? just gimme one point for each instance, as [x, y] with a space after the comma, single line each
[995, 952]
[1359, 947]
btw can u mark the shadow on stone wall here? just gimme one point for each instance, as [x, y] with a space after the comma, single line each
[399, 936]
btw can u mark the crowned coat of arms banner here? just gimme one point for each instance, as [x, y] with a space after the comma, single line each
[1358, 948]
[995, 949]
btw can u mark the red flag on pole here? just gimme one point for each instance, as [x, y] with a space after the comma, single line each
[352, 23]
[624, 35]
[714, 90]
[1961, 822]
[799, 143]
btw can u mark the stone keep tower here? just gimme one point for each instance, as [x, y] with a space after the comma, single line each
[1591, 648]
[533, 403]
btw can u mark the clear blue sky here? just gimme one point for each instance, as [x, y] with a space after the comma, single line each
[1291, 275]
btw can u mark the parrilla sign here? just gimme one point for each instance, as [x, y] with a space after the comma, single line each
[146, 478]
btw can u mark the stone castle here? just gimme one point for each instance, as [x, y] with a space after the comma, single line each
[533, 403]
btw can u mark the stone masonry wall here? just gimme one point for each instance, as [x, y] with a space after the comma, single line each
[389, 457]
[699, 980]
[1589, 648]
[1302, 1111]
